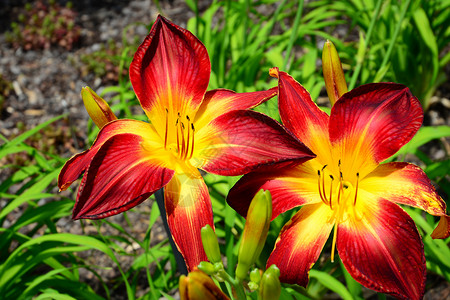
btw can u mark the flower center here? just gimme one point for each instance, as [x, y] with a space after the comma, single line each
[179, 136]
[337, 193]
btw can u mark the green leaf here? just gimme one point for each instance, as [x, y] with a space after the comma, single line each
[423, 136]
[331, 283]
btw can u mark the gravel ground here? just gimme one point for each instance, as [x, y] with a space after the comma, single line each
[47, 83]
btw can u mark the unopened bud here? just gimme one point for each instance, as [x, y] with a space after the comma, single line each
[255, 275]
[210, 244]
[333, 73]
[206, 267]
[270, 286]
[255, 232]
[198, 285]
[97, 108]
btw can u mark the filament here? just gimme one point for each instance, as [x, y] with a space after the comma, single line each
[356, 189]
[192, 143]
[331, 192]
[333, 245]
[178, 136]
[183, 145]
[167, 128]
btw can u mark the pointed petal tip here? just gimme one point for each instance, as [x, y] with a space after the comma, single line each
[442, 231]
[273, 72]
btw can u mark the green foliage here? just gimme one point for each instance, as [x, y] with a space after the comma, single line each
[401, 41]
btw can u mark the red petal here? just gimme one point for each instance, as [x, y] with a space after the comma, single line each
[374, 121]
[170, 70]
[404, 183]
[120, 176]
[188, 208]
[302, 116]
[300, 242]
[79, 162]
[240, 141]
[382, 249]
[220, 101]
[290, 187]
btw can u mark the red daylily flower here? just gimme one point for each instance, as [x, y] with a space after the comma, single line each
[346, 188]
[190, 129]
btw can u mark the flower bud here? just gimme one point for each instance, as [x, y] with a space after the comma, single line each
[270, 286]
[255, 232]
[206, 267]
[333, 73]
[255, 275]
[97, 108]
[210, 244]
[198, 285]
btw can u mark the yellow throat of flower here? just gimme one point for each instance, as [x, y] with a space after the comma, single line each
[179, 135]
[339, 194]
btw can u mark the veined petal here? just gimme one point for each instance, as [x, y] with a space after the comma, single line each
[188, 209]
[240, 141]
[408, 184]
[78, 163]
[301, 115]
[300, 242]
[220, 101]
[381, 248]
[404, 183]
[371, 123]
[121, 175]
[290, 187]
[170, 70]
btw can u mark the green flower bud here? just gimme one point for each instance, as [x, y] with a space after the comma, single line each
[206, 267]
[255, 275]
[198, 285]
[255, 232]
[270, 286]
[210, 244]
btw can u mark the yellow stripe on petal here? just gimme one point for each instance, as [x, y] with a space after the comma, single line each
[188, 209]
[300, 242]
[404, 183]
[381, 248]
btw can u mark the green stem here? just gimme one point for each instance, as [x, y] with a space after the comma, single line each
[236, 284]
[369, 34]
[387, 56]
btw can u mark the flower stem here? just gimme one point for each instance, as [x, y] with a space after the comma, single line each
[236, 284]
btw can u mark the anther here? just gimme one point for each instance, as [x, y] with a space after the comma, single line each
[192, 143]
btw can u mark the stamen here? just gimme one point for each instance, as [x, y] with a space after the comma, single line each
[323, 183]
[183, 141]
[341, 189]
[333, 245]
[192, 143]
[167, 128]
[356, 189]
[178, 136]
[322, 196]
[187, 142]
[331, 192]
